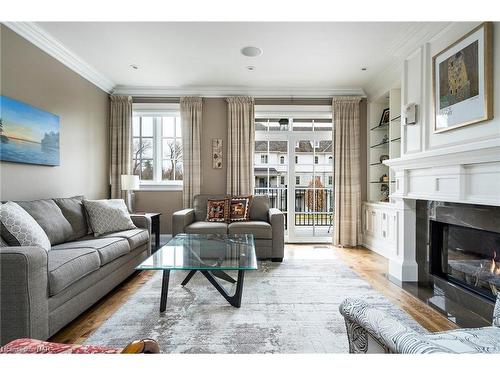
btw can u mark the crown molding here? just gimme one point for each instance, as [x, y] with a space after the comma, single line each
[409, 41]
[47, 43]
[220, 92]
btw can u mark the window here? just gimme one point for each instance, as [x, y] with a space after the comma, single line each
[282, 160]
[282, 180]
[263, 159]
[157, 147]
[316, 160]
[330, 180]
[296, 160]
[297, 180]
[330, 159]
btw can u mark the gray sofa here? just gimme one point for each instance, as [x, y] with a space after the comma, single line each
[266, 224]
[42, 291]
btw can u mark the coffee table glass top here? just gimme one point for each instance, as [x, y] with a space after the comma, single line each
[204, 252]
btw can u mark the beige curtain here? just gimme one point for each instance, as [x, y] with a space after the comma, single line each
[191, 117]
[347, 187]
[120, 128]
[240, 145]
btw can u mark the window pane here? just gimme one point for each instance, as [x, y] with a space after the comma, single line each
[147, 148]
[178, 127]
[147, 170]
[179, 170]
[178, 150]
[260, 125]
[168, 124]
[168, 148]
[302, 125]
[167, 170]
[278, 124]
[136, 148]
[136, 167]
[323, 125]
[147, 126]
[136, 126]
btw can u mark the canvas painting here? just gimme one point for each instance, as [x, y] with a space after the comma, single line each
[463, 81]
[28, 135]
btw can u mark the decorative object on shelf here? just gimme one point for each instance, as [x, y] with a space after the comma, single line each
[217, 153]
[462, 77]
[129, 183]
[384, 190]
[383, 157]
[385, 117]
[28, 135]
[410, 114]
[384, 178]
[385, 139]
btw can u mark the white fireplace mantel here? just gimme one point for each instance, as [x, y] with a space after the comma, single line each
[464, 174]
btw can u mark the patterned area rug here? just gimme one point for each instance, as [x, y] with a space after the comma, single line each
[290, 307]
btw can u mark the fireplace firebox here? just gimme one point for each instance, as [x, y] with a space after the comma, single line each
[467, 257]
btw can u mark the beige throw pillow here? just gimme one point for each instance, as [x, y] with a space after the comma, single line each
[108, 215]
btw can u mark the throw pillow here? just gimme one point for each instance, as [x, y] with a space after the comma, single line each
[73, 210]
[108, 215]
[240, 208]
[18, 228]
[50, 217]
[218, 210]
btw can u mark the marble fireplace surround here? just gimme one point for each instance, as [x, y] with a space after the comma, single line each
[466, 173]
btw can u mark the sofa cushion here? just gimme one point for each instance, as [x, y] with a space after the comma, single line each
[73, 210]
[19, 228]
[135, 237]
[259, 208]
[66, 266]
[108, 249]
[259, 229]
[108, 215]
[205, 227]
[50, 217]
[200, 204]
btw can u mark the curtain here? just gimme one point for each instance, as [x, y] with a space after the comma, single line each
[240, 145]
[191, 117]
[120, 128]
[347, 187]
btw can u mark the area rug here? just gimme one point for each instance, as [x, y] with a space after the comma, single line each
[289, 307]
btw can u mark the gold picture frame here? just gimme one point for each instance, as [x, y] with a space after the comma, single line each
[464, 78]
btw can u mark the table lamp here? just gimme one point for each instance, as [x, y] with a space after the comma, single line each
[130, 183]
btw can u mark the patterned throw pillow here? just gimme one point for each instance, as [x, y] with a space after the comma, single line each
[240, 208]
[218, 210]
[108, 215]
[18, 228]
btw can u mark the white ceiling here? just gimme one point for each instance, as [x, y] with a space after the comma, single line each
[202, 54]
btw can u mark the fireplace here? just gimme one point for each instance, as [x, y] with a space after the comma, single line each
[467, 257]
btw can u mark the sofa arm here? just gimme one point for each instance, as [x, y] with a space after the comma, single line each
[181, 219]
[24, 308]
[277, 221]
[496, 313]
[369, 330]
[141, 221]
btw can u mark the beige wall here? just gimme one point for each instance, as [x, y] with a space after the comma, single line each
[165, 202]
[31, 76]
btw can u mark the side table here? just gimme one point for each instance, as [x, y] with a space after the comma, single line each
[155, 227]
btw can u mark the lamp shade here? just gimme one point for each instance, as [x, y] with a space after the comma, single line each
[130, 182]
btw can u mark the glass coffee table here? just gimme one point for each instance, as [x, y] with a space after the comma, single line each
[209, 254]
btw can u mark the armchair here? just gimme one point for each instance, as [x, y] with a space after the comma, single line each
[369, 330]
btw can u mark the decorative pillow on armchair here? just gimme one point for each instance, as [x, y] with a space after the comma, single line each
[240, 208]
[218, 210]
[108, 215]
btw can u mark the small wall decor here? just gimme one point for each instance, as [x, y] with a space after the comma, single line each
[462, 78]
[410, 114]
[27, 134]
[383, 157]
[385, 117]
[217, 153]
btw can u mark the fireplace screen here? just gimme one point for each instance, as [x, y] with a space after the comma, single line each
[468, 257]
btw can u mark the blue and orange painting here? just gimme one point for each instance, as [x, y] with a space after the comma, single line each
[28, 134]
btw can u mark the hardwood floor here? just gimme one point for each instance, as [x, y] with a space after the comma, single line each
[370, 266]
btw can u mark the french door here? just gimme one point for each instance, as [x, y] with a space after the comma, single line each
[294, 165]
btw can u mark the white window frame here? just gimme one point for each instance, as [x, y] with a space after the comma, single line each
[158, 110]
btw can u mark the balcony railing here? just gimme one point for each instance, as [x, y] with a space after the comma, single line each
[311, 208]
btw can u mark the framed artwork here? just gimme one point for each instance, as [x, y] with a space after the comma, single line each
[28, 135]
[217, 153]
[385, 117]
[462, 80]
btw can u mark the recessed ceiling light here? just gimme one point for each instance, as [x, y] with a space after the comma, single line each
[250, 67]
[251, 51]
[135, 67]
[364, 69]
